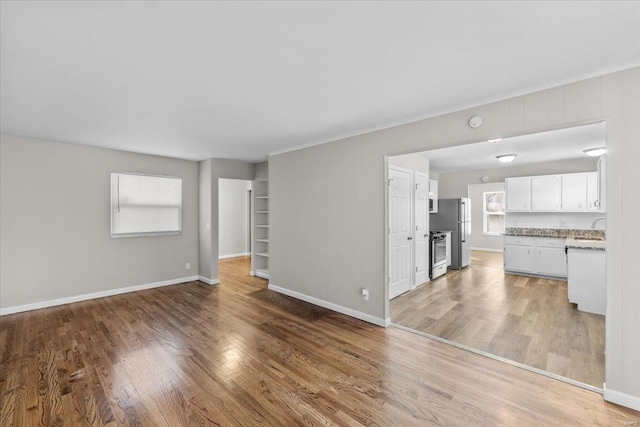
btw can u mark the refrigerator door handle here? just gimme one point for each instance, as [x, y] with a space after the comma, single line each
[464, 232]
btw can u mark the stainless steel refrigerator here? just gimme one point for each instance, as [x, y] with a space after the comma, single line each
[455, 215]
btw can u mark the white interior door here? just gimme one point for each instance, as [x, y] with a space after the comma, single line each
[400, 233]
[421, 238]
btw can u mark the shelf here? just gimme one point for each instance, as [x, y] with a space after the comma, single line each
[264, 254]
[263, 212]
[262, 226]
[262, 272]
[262, 197]
[262, 240]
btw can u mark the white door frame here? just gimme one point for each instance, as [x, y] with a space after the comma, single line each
[420, 235]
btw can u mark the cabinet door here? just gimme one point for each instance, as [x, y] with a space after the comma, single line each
[518, 191]
[551, 262]
[593, 193]
[574, 192]
[433, 193]
[602, 176]
[545, 193]
[518, 258]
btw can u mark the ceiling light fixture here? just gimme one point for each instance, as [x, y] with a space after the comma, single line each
[506, 158]
[595, 152]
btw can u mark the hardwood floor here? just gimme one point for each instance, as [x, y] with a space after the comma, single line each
[238, 354]
[524, 319]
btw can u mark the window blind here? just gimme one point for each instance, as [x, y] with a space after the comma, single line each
[145, 205]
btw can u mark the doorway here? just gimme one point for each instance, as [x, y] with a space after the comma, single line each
[523, 312]
[234, 218]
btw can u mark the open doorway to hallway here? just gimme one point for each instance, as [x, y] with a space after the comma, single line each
[234, 218]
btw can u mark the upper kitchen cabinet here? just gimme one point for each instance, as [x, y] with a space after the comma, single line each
[545, 193]
[593, 192]
[602, 174]
[433, 196]
[518, 191]
[574, 192]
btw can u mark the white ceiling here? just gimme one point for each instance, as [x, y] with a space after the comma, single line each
[563, 144]
[242, 79]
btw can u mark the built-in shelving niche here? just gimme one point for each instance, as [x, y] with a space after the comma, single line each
[260, 255]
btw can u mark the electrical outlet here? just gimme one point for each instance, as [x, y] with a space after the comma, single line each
[365, 294]
[188, 266]
[562, 224]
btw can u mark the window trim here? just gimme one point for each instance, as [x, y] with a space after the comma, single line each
[485, 213]
[142, 234]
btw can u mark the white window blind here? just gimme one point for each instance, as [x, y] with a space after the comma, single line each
[145, 205]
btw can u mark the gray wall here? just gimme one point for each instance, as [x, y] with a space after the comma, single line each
[454, 184]
[478, 239]
[55, 222]
[262, 171]
[211, 171]
[328, 221]
[233, 227]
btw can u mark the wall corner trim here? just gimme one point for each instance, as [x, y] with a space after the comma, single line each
[331, 306]
[621, 398]
[93, 295]
[208, 281]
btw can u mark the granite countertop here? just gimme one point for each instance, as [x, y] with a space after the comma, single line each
[573, 236]
[576, 243]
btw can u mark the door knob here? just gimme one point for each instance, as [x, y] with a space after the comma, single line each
[409, 238]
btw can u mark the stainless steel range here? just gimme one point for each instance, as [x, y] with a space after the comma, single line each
[438, 258]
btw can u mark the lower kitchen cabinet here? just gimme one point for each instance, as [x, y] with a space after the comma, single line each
[542, 256]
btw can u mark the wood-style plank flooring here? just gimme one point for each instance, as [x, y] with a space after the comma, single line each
[524, 319]
[238, 354]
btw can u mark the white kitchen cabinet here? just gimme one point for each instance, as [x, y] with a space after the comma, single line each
[602, 175]
[545, 193]
[518, 258]
[433, 195]
[518, 192]
[586, 280]
[541, 256]
[551, 262]
[574, 192]
[593, 192]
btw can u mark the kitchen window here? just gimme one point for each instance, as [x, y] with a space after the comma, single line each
[145, 205]
[493, 213]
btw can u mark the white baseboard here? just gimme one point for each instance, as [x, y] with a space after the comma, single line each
[252, 273]
[487, 250]
[208, 281]
[234, 255]
[620, 398]
[93, 295]
[331, 306]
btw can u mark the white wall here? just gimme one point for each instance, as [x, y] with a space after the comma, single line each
[567, 220]
[478, 239]
[328, 221]
[233, 211]
[55, 223]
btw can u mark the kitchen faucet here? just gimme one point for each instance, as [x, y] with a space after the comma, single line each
[593, 225]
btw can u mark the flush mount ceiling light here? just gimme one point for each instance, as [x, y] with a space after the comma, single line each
[506, 158]
[595, 152]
